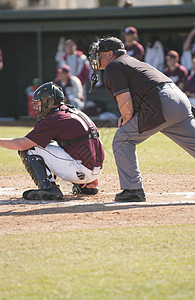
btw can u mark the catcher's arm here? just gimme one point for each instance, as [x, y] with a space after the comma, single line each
[17, 143]
[125, 106]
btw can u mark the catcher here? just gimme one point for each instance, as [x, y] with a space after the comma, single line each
[63, 143]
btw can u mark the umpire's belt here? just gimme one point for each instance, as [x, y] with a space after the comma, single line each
[159, 87]
[78, 139]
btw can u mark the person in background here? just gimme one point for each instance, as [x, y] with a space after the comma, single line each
[30, 91]
[71, 86]
[1, 60]
[189, 43]
[34, 86]
[188, 50]
[174, 70]
[155, 53]
[189, 88]
[77, 61]
[60, 52]
[132, 47]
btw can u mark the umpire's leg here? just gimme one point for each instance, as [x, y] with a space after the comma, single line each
[124, 148]
[179, 126]
[183, 134]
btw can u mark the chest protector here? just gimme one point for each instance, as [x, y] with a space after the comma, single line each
[92, 134]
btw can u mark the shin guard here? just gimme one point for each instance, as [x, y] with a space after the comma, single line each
[37, 169]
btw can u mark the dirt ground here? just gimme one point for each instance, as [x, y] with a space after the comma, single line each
[170, 200]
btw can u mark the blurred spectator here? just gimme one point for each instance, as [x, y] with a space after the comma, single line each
[174, 70]
[188, 50]
[35, 84]
[82, 45]
[189, 43]
[189, 88]
[30, 91]
[94, 108]
[1, 60]
[77, 61]
[71, 86]
[60, 52]
[155, 53]
[132, 47]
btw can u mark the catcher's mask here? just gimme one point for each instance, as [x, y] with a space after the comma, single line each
[103, 45]
[47, 95]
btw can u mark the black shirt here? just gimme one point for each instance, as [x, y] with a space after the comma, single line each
[127, 74]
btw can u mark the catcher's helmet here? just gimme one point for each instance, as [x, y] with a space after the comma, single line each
[49, 94]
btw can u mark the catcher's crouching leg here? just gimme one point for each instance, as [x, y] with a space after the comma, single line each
[36, 168]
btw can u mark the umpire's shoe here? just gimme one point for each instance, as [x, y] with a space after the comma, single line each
[77, 189]
[42, 194]
[131, 196]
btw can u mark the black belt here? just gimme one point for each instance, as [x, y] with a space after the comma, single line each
[159, 87]
[78, 139]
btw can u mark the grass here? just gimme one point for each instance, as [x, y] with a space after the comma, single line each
[156, 155]
[144, 263]
[129, 263]
[10, 162]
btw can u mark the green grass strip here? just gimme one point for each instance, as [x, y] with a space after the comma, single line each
[151, 263]
[157, 155]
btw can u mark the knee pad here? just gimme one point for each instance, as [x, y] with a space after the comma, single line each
[36, 168]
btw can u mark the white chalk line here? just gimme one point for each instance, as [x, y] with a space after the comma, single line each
[130, 204]
[187, 195]
[9, 191]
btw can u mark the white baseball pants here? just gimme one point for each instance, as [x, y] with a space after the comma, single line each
[64, 166]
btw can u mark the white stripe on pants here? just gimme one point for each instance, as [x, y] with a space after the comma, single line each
[63, 165]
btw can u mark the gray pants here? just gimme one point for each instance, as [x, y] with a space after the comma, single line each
[179, 127]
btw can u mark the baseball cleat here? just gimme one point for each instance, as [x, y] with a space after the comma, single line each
[131, 196]
[52, 194]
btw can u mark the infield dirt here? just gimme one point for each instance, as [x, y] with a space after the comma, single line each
[170, 200]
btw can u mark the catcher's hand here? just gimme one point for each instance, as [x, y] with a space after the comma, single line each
[91, 185]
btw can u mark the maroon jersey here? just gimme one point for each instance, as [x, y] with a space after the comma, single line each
[192, 46]
[1, 56]
[62, 126]
[178, 75]
[136, 50]
[190, 84]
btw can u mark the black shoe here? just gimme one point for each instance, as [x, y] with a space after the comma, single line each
[131, 196]
[77, 189]
[52, 194]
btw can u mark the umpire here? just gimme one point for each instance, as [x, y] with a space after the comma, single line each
[148, 101]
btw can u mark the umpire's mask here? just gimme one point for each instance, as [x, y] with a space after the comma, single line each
[103, 45]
